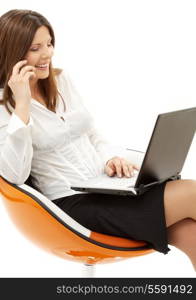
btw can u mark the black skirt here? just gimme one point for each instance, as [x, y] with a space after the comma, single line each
[139, 217]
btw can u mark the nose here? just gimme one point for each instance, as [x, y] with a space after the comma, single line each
[47, 52]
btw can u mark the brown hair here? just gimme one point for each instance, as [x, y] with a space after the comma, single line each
[17, 30]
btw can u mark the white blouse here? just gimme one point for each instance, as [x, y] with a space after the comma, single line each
[56, 152]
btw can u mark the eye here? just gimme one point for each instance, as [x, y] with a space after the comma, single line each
[34, 49]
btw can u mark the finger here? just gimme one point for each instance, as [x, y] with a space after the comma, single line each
[109, 171]
[126, 171]
[131, 169]
[26, 69]
[112, 167]
[125, 167]
[17, 66]
[118, 167]
[136, 167]
[28, 75]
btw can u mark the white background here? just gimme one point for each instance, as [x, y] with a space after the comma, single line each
[129, 60]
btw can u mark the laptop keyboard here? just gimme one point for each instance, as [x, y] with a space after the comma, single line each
[116, 181]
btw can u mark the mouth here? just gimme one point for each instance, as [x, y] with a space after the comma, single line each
[42, 67]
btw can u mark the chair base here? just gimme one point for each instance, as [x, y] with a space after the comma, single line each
[88, 271]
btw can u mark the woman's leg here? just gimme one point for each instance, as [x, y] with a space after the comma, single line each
[183, 236]
[180, 201]
[180, 214]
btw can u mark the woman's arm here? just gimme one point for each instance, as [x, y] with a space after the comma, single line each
[16, 150]
[102, 146]
[112, 158]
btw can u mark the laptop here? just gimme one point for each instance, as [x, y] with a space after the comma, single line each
[164, 159]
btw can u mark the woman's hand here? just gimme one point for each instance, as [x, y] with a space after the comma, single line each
[19, 81]
[120, 166]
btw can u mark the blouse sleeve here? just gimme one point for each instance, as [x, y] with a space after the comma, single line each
[105, 150]
[16, 150]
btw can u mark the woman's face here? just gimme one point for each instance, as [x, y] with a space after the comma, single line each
[40, 52]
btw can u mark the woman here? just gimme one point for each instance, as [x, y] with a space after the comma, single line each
[46, 131]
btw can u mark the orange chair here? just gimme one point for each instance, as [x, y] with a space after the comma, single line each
[44, 223]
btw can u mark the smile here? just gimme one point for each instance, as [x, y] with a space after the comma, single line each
[42, 67]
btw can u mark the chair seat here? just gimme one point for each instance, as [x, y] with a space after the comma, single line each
[49, 227]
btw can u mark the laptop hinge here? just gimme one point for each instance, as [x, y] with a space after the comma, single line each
[144, 187]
